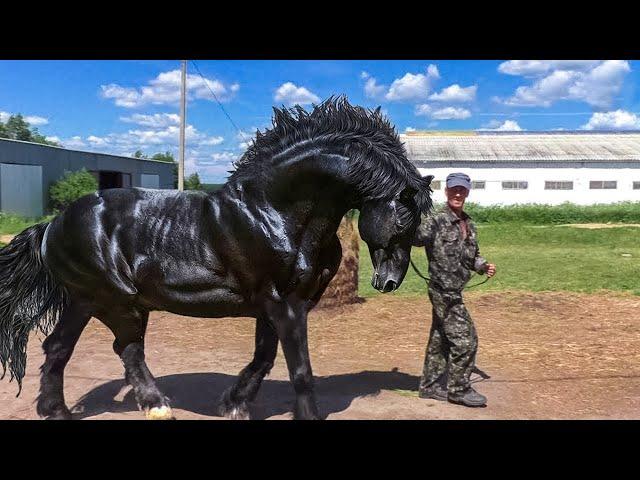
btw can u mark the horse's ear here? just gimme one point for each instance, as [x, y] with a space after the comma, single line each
[428, 179]
[376, 112]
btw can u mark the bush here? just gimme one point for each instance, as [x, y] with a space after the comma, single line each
[70, 187]
[534, 214]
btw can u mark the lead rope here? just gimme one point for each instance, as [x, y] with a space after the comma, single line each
[427, 279]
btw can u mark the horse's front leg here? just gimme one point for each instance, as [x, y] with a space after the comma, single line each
[290, 320]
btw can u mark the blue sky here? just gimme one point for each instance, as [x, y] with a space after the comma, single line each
[122, 106]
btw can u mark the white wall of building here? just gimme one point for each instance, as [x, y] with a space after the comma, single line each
[493, 194]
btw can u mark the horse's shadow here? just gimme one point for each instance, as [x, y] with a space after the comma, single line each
[200, 393]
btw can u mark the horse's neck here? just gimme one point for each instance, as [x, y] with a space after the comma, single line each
[309, 191]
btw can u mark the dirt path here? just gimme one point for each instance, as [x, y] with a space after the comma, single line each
[550, 355]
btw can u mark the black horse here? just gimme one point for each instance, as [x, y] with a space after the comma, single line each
[263, 246]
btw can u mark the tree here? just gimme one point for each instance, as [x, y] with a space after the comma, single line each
[17, 128]
[72, 186]
[192, 182]
[164, 157]
[168, 157]
[37, 138]
[139, 154]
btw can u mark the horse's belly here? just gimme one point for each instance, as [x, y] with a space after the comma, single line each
[197, 292]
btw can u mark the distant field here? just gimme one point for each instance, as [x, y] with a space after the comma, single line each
[212, 187]
[539, 258]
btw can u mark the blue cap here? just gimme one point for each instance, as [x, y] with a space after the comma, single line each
[459, 179]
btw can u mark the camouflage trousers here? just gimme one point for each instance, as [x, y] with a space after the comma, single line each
[453, 343]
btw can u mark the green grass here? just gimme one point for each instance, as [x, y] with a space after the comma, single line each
[536, 258]
[12, 224]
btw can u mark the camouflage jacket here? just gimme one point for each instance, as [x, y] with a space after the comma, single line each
[451, 259]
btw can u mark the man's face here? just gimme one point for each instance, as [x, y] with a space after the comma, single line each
[456, 196]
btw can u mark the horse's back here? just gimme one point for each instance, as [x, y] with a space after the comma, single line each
[108, 234]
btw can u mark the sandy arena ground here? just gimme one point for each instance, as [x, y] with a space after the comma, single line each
[549, 355]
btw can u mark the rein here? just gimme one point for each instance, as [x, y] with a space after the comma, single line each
[427, 279]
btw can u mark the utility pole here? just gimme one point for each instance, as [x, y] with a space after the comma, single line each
[183, 119]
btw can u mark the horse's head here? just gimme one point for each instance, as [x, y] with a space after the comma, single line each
[388, 227]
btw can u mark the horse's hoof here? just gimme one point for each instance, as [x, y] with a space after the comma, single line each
[238, 413]
[234, 412]
[62, 415]
[159, 413]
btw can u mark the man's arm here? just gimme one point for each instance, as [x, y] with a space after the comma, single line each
[425, 232]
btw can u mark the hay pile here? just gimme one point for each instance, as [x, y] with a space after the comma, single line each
[343, 289]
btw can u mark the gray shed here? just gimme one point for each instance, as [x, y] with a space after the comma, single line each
[27, 171]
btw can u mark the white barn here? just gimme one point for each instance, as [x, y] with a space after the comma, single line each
[532, 167]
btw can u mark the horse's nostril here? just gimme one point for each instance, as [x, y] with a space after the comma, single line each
[389, 286]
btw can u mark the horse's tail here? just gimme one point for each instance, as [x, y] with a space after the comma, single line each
[30, 298]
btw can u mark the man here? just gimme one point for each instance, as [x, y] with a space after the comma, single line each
[450, 241]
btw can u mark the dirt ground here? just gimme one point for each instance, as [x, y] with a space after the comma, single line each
[549, 355]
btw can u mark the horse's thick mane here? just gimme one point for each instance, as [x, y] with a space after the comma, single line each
[379, 166]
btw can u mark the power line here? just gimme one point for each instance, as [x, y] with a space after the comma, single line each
[206, 82]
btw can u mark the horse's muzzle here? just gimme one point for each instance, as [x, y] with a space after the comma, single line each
[383, 286]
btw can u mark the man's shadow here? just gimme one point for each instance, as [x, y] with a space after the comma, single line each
[200, 393]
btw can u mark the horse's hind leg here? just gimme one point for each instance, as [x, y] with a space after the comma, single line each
[129, 328]
[234, 400]
[58, 347]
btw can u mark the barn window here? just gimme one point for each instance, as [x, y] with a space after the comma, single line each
[436, 184]
[558, 185]
[636, 185]
[515, 185]
[603, 184]
[478, 185]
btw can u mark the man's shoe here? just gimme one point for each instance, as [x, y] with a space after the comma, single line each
[436, 392]
[468, 398]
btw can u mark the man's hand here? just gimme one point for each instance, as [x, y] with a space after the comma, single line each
[491, 270]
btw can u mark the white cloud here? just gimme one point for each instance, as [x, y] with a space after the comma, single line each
[53, 139]
[224, 156]
[539, 67]
[32, 120]
[143, 139]
[456, 93]
[246, 138]
[596, 83]
[165, 89]
[74, 142]
[617, 120]
[212, 141]
[157, 120]
[371, 87]
[447, 113]
[36, 121]
[290, 94]
[506, 126]
[96, 141]
[413, 86]
[451, 113]
[409, 129]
